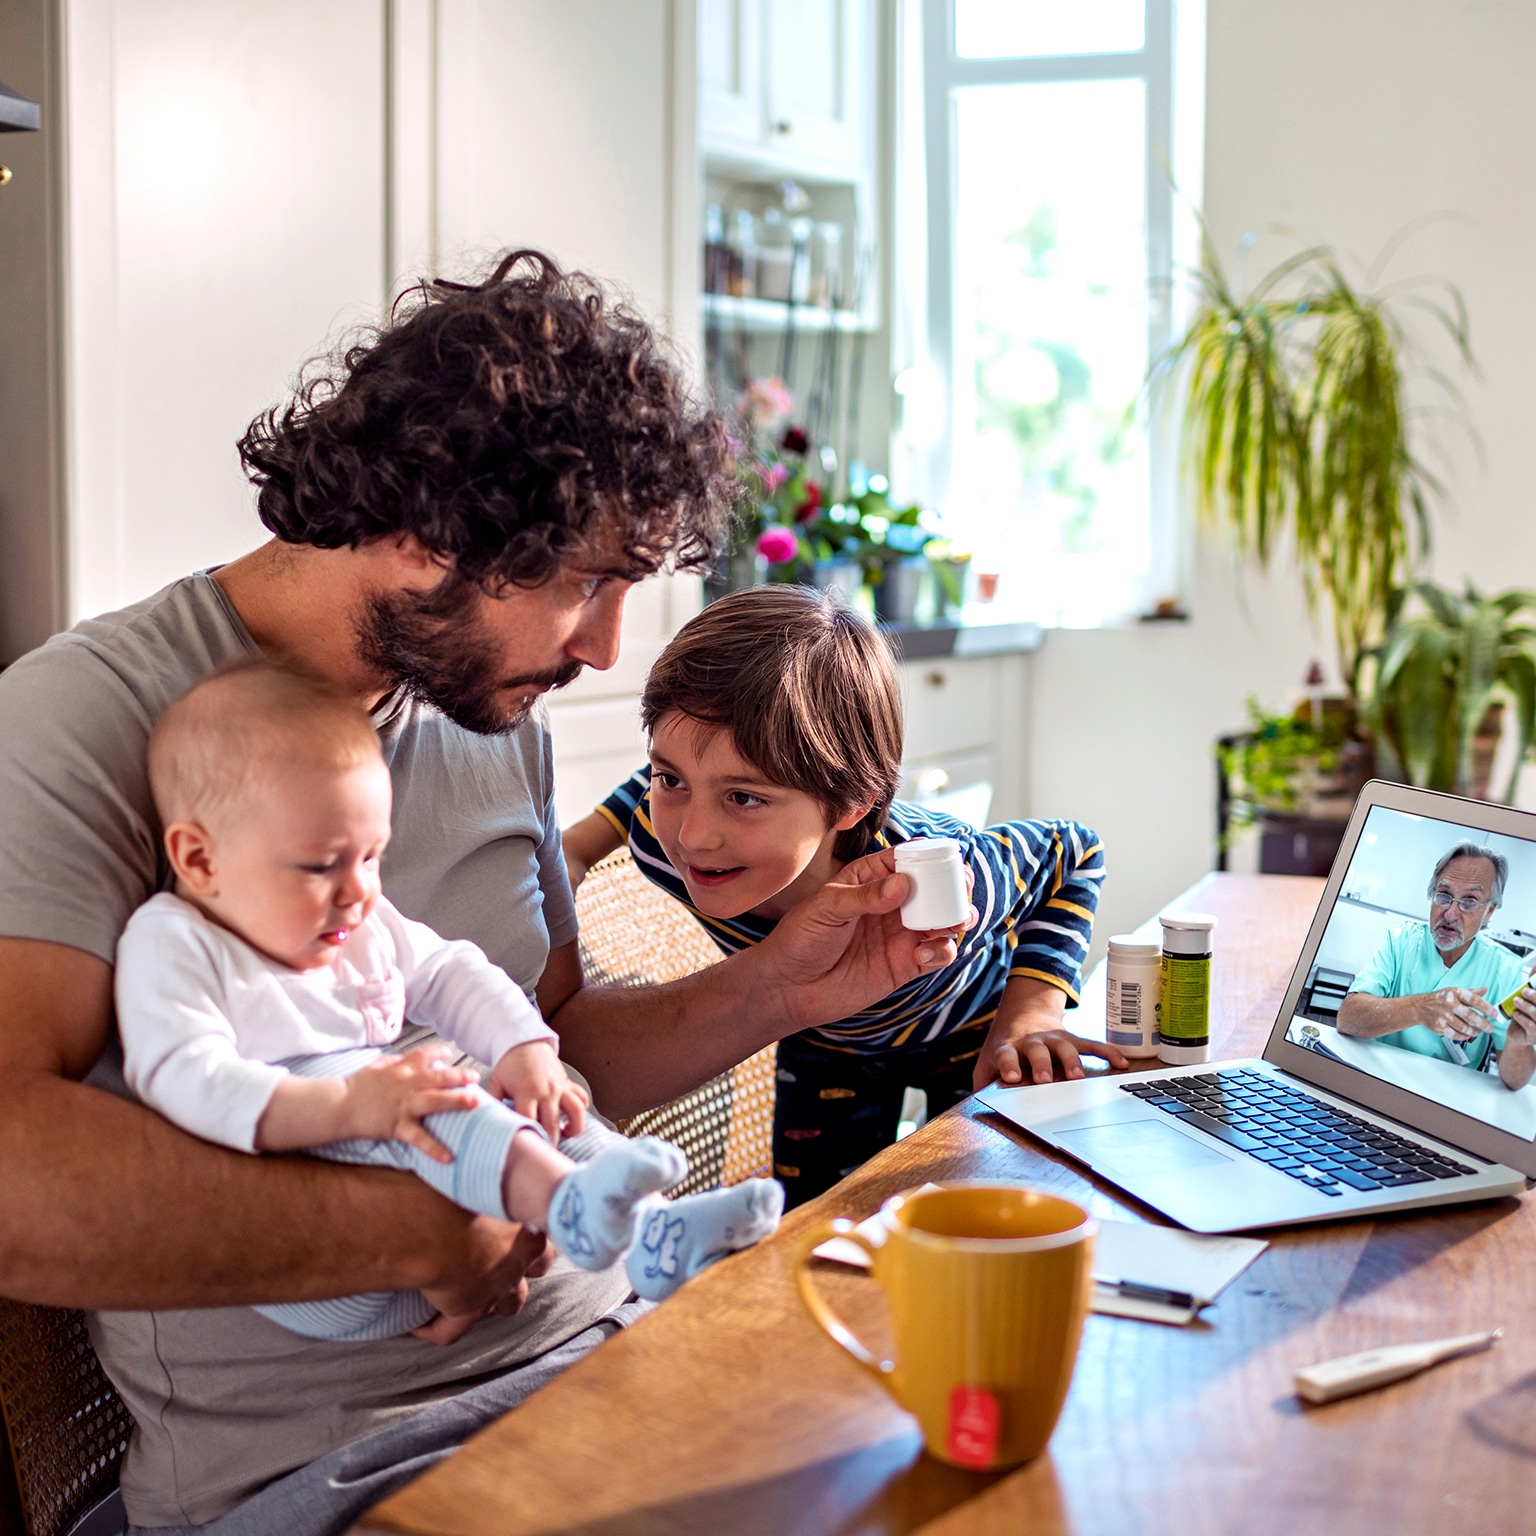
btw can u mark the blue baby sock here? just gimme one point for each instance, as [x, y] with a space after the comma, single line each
[678, 1238]
[592, 1212]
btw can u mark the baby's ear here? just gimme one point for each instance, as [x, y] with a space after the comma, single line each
[190, 850]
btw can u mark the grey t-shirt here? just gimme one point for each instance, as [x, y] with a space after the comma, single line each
[224, 1400]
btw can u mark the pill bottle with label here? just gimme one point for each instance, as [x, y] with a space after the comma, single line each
[938, 898]
[1184, 1031]
[1135, 982]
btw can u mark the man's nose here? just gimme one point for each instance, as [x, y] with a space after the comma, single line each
[595, 640]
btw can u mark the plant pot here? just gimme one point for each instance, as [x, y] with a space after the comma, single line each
[897, 594]
[843, 577]
[1485, 746]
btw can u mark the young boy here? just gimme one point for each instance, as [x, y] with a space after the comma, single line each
[776, 738]
[253, 1002]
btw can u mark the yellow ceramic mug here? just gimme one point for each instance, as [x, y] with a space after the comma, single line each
[987, 1286]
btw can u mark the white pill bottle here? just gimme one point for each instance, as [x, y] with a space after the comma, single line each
[938, 898]
[1134, 974]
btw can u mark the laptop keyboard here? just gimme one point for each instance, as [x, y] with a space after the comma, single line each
[1321, 1146]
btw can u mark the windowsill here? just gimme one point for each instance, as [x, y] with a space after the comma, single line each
[923, 641]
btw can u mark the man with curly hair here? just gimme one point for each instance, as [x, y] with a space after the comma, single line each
[459, 507]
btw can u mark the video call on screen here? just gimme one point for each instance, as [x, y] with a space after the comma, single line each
[1388, 937]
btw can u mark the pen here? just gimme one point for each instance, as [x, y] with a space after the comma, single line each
[1135, 1290]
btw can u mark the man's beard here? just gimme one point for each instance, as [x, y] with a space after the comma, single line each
[433, 645]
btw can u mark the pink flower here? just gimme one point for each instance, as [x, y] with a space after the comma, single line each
[777, 545]
[765, 402]
[773, 476]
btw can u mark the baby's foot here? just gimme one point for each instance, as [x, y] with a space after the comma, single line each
[678, 1238]
[592, 1212]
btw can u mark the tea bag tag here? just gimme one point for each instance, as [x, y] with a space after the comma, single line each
[974, 1420]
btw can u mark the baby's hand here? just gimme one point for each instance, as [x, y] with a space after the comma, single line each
[532, 1080]
[389, 1098]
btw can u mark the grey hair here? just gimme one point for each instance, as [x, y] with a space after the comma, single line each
[1475, 851]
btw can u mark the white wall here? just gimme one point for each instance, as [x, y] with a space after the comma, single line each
[1341, 120]
[226, 220]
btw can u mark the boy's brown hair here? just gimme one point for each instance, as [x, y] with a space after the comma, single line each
[807, 689]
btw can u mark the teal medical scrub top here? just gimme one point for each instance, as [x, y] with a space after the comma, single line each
[1407, 963]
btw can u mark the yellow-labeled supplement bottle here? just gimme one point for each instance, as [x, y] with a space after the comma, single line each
[1184, 1029]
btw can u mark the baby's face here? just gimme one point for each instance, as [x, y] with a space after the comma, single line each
[740, 842]
[296, 869]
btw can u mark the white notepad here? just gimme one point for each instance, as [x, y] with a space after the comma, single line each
[1159, 1258]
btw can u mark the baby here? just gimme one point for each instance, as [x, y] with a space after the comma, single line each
[254, 1001]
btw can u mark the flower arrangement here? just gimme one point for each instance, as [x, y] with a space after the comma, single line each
[790, 526]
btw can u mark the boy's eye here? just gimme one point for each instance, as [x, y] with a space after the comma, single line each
[591, 586]
[666, 780]
[742, 798]
[318, 869]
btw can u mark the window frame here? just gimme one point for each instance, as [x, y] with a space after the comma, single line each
[1170, 60]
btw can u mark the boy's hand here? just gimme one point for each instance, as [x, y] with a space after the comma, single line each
[389, 1098]
[1026, 1038]
[1011, 1051]
[532, 1080]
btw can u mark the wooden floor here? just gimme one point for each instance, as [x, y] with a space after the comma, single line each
[728, 1411]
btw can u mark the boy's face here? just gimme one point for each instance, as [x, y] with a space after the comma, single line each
[295, 868]
[741, 843]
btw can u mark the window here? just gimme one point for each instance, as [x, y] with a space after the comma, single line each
[1051, 216]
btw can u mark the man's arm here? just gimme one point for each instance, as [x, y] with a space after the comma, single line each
[1456, 1013]
[836, 953]
[105, 1204]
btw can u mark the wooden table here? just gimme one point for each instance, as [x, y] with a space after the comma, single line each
[727, 1410]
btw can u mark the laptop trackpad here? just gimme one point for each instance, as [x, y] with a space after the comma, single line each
[1139, 1147]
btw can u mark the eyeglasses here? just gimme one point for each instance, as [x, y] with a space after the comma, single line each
[1466, 903]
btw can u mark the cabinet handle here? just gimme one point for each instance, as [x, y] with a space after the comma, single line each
[936, 679]
[783, 125]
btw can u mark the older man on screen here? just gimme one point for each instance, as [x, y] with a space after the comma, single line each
[1435, 987]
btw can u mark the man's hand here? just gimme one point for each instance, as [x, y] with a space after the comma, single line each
[1522, 1027]
[500, 1261]
[844, 947]
[531, 1079]
[389, 1098]
[1026, 1034]
[1456, 1013]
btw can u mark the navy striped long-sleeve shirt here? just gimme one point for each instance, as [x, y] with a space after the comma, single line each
[1036, 890]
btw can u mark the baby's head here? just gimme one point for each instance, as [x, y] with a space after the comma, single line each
[775, 726]
[275, 801]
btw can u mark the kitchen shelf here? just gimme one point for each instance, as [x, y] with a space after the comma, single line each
[772, 315]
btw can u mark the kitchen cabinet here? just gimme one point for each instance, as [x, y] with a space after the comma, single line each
[788, 85]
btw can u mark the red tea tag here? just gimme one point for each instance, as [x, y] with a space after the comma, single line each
[974, 1416]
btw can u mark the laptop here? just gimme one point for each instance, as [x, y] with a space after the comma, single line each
[1331, 1122]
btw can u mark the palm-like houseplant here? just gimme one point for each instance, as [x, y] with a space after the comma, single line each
[1295, 432]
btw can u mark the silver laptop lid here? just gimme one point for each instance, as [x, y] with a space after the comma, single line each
[1384, 928]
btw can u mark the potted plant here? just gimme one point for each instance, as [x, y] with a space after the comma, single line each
[1295, 437]
[1295, 433]
[1440, 682]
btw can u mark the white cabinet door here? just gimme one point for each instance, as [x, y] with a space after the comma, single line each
[731, 72]
[817, 80]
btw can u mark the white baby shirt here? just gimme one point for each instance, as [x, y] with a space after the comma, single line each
[204, 1016]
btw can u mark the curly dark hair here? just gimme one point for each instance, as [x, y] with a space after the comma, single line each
[507, 424]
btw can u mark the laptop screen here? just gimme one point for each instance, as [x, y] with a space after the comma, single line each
[1431, 937]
